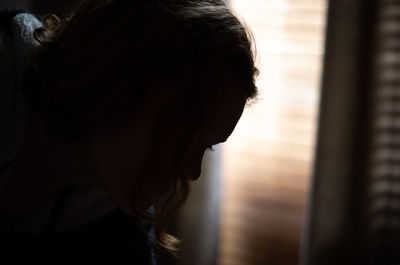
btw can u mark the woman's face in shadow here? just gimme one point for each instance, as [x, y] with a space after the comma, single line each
[219, 128]
[121, 157]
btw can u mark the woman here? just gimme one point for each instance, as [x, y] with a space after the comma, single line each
[109, 111]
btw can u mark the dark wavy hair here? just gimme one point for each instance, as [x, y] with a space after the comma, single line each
[196, 45]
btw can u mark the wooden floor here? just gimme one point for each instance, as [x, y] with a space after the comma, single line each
[267, 160]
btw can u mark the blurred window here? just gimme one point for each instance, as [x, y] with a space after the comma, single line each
[268, 159]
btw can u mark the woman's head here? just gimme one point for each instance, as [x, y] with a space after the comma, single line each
[152, 82]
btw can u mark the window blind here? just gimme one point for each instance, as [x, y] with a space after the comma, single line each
[383, 192]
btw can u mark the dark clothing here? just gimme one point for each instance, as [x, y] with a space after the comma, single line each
[115, 239]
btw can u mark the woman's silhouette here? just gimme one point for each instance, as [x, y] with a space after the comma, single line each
[106, 115]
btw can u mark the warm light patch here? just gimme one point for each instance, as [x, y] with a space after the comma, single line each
[268, 158]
